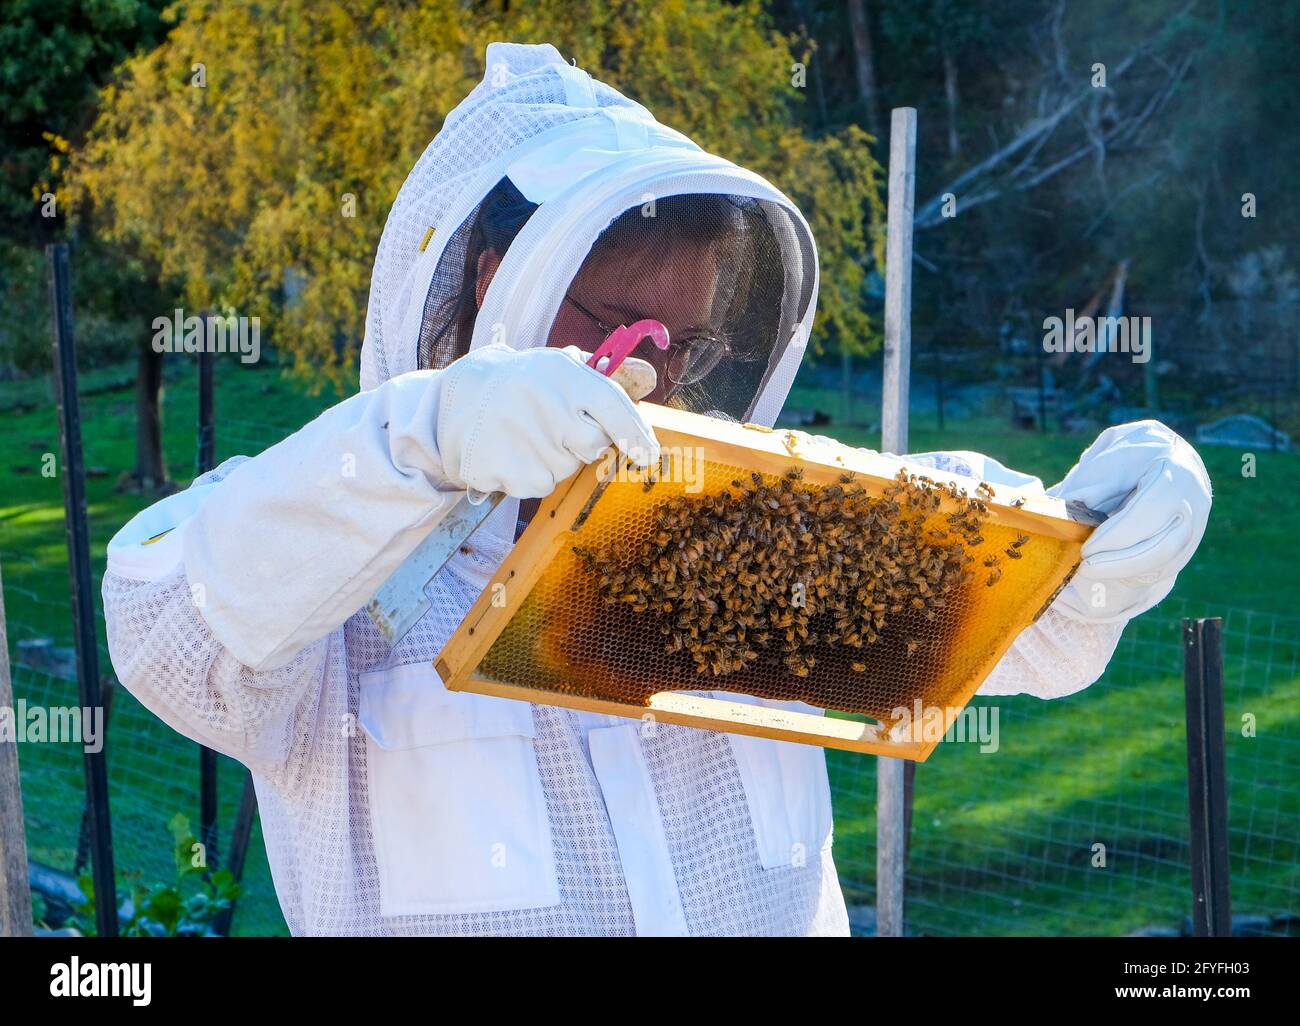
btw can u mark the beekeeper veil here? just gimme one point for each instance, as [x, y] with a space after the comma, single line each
[550, 209]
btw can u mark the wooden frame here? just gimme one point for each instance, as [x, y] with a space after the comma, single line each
[766, 451]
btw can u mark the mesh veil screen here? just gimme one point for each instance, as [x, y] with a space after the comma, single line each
[447, 324]
[712, 268]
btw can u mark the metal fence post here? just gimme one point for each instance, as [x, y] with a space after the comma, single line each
[241, 832]
[82, 582]
[241, 835]
[86, 832]
[15, 894]
[891, 841]
[1207, 798]
[207, 413]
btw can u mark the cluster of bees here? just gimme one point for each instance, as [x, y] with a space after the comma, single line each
[778, 570]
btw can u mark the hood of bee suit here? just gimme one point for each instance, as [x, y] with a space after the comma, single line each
[581, 154]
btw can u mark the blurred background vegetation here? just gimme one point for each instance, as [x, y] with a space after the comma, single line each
[1059, 191]
[1166, 192]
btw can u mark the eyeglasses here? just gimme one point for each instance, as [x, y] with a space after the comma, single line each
[690, 360]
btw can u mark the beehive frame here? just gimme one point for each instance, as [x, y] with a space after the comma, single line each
[561, 519]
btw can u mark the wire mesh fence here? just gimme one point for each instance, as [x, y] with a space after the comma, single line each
[153, 775]
[153, 772]
[1075, 822]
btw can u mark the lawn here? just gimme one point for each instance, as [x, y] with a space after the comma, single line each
[1005, 846]
[153, 772]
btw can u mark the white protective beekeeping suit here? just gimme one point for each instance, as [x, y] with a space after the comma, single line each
[391, 806]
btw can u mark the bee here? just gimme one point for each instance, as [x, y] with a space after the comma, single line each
[994, 577]
[991, 561]
[1015, 553]
[713, 574]
[984, 489]
[1020, 541]
[1017, 503]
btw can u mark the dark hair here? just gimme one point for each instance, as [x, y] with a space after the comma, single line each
[501, 216]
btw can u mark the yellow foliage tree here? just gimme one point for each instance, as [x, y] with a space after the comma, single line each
[233, 152]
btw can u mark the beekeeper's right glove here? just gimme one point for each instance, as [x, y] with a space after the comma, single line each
[520, 422]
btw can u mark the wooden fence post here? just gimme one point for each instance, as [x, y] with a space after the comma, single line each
[15, 894]
[891, 844]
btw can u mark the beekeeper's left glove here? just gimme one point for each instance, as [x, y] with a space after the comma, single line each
[1156, 492]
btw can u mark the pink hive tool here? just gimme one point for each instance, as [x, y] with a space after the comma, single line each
[622, 340]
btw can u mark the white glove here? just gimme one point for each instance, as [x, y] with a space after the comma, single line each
[1156, 491]
[521, 421]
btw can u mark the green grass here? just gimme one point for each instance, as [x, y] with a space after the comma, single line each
[153, 772]
[1001, 843]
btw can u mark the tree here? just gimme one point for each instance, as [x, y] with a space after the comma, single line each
[227, 153]
[865, 64]
[56, 54]
[1070, 146]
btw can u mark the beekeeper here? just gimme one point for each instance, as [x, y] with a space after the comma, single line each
[548, 210]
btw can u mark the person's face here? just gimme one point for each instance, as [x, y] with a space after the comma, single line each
[677, 291]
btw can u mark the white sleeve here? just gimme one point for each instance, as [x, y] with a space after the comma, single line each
[297, 539]
[973, 464]
[1054, 657]
[166, 655]
[224, 602]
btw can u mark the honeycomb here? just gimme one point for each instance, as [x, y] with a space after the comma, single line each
[565, 638]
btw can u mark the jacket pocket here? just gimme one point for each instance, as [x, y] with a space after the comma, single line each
[457, 810]
[787, 791]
